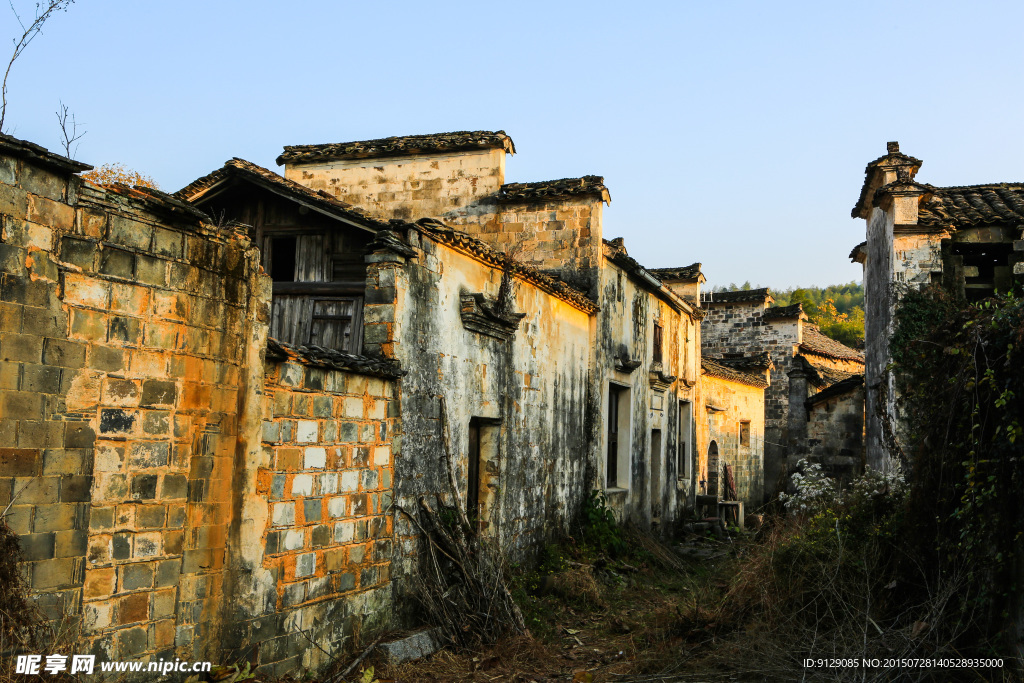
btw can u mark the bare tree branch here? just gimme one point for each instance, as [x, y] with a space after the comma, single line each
[44, 10]
[68, 129]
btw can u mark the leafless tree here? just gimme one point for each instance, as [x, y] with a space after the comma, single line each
[44, 10]
[68, 129]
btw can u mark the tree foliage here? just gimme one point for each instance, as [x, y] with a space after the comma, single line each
[838, 310]
[959, 375]
[117, 174]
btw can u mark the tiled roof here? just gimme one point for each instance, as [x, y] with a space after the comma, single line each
[859, 252]
[318, 356]
[823, 374]
[23, 149]
[555, 189]
[974, 206]
[440, 232]
[791, 311]
[246, 169]
[839, 388]
[717, 369]
[690, 272]
[754, 364]
[893, 157]
[817, 343]
[403, 145]
[152, 198]
[615, 251]
[737, 296]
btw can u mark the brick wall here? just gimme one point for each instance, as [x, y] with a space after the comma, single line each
[327, 478]
[173, 500]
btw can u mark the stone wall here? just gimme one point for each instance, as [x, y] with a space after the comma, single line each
[652, 486]
[835, 433]
[172, 500]
[528, 390]
[127, 319]
[327, 480]
[743, 328]
[724, 406]
[408, 187]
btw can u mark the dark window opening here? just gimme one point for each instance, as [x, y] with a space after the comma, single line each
[657, 343]
[281, 255]
[473, 488]
[745, 434]
[612, 466]
[683, 442]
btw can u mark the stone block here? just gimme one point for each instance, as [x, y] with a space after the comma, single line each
[150, 271]
[79, 435]
[106, 359]
[412, 647]
[307, 431]
[294, 594]
[168, 573]
[38, 546]
[175, 486]
[302, 485]
[312, 510]
[46, 212]
[315, 457]
[71, 543]
[19, 462]
[21, 405]
[23, 348]
[43, 491]
[294, 539]
[117, 421]
[82, 290]
[99, 583]
[101, 518]
[130, 233]
[305, 564]
[151, 516]
[39, 181]
[81, 253]
[125, 330]
[75, 488]
[163, 603]
[148, 454]
[56, 573]
[158, 393]
[117, 263]
[68, 354]
[284, 514]
[131, 642]
[136, 576]
[144, 486]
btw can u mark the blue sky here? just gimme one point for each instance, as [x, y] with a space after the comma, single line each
[734, 134]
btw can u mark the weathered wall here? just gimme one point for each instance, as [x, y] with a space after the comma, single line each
[835, 433]
[723, 405]
[167, 503]
[654, 487]
[324, 488]
[744, 328]
[128, 354]
[408, 187]
[531, 390]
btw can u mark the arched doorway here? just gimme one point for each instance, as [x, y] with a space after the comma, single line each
[713, 467]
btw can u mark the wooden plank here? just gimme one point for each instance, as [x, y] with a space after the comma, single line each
[345, 288]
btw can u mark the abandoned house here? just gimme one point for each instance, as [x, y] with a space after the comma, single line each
[814, 404]
[966, 238]
[214, 403]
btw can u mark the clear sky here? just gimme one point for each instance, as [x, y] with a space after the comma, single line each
[730, 133]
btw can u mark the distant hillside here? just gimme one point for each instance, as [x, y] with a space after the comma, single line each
[837, 309]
